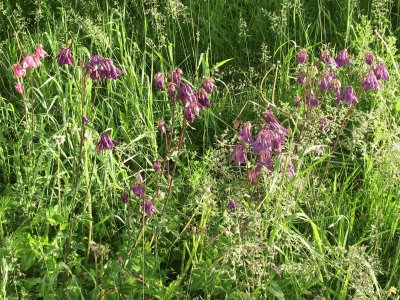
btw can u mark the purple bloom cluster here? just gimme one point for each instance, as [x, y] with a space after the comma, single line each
[312, 99]
[105, 143]
[149, 208]
[159, 81]
[231, 205]
[125, 197]
[301, 56]
[369, 58]
[343, 58]
[301, 79]
[325, 81]
[64, 57]
[370, 82]
[348, 95]
[138, 189]
[381, 72]
[102, 68]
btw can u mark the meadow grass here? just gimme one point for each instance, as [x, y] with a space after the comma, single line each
[331, 231]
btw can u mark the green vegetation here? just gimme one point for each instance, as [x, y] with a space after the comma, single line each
[329, 231]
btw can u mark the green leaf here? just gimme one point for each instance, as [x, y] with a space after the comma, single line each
[397, 105]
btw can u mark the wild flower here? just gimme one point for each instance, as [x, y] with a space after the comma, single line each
[263, 141]
[64, 57]
[244, 134]
[369, 58]
[325, 57]
[253, 174]
[274, 125]
[105, 143]
[171, 89]
[19, 89]
[370, 82]
[202, 97]
[343, 58]
[296, 101]
[176, 76]
[324, 84]
[239, 154]
[19, 71]
[161, 126]
[102, 68]
[125, 197]
[191, 109]
[149, 207]
[208, 85]
[231, 205]
[186, 94]
[157, 165]
[138, 189]
[30, 61]
[312, 99]
[348, 95]
[381, 72]
[335, 85]
[159, 81]
[85, 120]
[301, 56]
[301, 79]
[39, 51]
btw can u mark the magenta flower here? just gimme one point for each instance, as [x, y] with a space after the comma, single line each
[274, 125]
[159, 81]
[381, 72]
[239, 154]
[323, 123]
[202, 97]
[161, 126]
[64, 57]
[171, 89]
[30, 61]
[312, 100]
[266, 160]
[348, 95]
[208, 85]
[370, 82]
[301, 56]
[325, 57]
[324, 84]
[85, 120]
[231, 205]
[369, 58]
[19, 71]
[335, 85]
[108, 70]
[105, 143]
[157, 165]
[343, 58]
[244, 134]
[263, 143]
[301, 79]
[149, 207]
[138, 189]
[125, 197]
[19, 88]
[191, 109]
[40, 53]
[296, 101]
[176, 76]
[186, 94]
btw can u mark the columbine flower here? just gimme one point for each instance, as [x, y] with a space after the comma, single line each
[191, 110]
[244, 134]
[171, 89]
[266, 160]
[369, 58]
[108, 70]
[263, 141]
[301, 56]
[381, 72]
[30, 61]
[301, 79]
[231, 205]
[176, 76]
[343, 58]
[296, 101]
[64, 57]
[125, 197]
[19, 88]
[348, 95]
[324, 84]
[335, 85]
[370, 82]
[208, 85]
[161, 126]
[203, 98]
[40, 53]
[85, 120]
[159, 81]
[105, 143]
[312, 100]
[138, 189]
[323, 124]
[157, 165]
[149, 207]
[253, 174]
[239, 154]
[325, 57]
[186, 94]
[19, 71]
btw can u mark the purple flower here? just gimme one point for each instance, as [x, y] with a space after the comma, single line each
[64, 57]
[324, 84]
[266, 160]
[381, 72]
[323, 123]
[186, 94]
[343, 58]
[171, 89]
[244, 134]
[296, 101]
[253, 174]
[325, 57]
[301, 56]
[85, 120]
[93, 67]
[138, 189]
[231, 205]
[108, 70]
[19, 89]
[290, 167]
[208, 85]
[125, 197]
[239, 154]
[202, 96]
[191, 109]
[161, 126]
[105, 143]
[157, 165]
[348, 95]
[312, 100]
[149, 207]
[370, 82]
[159, 81]
[263, 141]
[176, 76]
[335, 85]
[301, 79]
[273, 124]
[369, 58]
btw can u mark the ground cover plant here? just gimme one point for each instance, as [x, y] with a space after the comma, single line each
[167, 149]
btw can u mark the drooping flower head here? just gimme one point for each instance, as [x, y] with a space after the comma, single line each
[176, 76]
[370, 82]
[239, 154]
[202, 97]
[296, 101]
[138, 189]
[148, 208]
[266, 160]
[186, 94]
[244, 134]
[64, 57]
[191, 109]
[171, 89]
[125, 197]
[19, 89]
[325, 57]
[381, 72]
[348, 95]
[157, 165]
[231, 205]
[19, 71]
[312, 99]
[369, 58]
[208, 85]
[263, 142]
[161, 126]
[105, 143]
[324, 84]
[85, 120]
[159, 81]
[343, 58]
[108, 70]
[30, 61]
[301, 56]
[39, 51]
[301, 79]
[253, 174]
[274, 125]
[335, 85]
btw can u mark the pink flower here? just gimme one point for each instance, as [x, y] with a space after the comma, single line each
[301, 56]
[19, 89]
[149, 208]
[176, 76]
[30, 61]
[19, 71]
[40, 53]
[159, 81]
[208, 85]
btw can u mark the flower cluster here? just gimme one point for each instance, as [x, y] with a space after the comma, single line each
[267, 144]
[102, 68]
[105, 143]
[192, 101]
[30, 61]
[64, 57]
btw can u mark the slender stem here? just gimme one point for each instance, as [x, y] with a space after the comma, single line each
[58, 176]
[89, 201]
